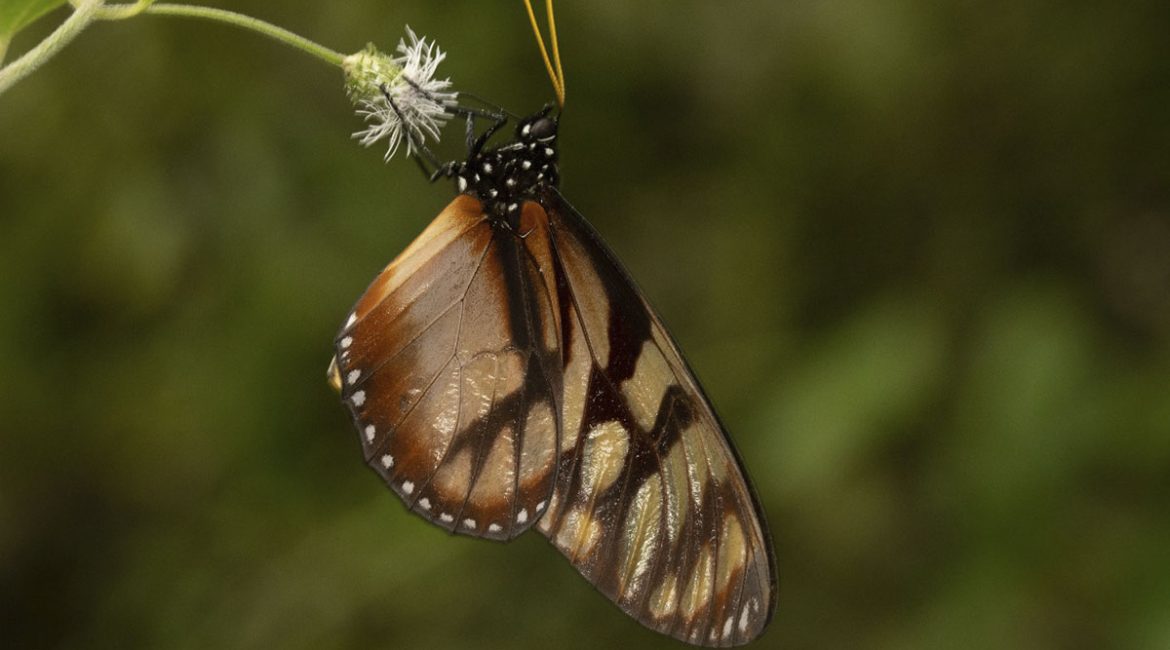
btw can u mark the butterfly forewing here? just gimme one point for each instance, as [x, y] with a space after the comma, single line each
[651, 503]
[450, 367]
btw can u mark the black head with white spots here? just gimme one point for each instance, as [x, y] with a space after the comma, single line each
[504, 177]
[538, 129]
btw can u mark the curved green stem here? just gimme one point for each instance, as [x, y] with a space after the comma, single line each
[87, 11]
[247, 22]
[84, 13]
[118, 11]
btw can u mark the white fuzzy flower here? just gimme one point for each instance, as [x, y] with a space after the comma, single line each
[420, 101]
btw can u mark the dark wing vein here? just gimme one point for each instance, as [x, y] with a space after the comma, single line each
[457, 302]
[708, 577]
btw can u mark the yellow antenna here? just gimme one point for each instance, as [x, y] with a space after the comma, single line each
[555, 74]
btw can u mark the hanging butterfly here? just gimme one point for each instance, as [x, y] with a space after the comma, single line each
[504, 372]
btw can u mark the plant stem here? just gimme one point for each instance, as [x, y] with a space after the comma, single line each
[247, 22]
[83, 14]
[86, 11]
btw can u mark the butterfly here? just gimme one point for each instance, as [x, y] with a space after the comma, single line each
[504, 373]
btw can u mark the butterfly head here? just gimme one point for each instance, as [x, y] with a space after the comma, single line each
[539, 128]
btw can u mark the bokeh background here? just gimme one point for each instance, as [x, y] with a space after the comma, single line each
[918, 252]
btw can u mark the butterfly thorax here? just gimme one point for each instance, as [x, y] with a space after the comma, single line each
[504, 177]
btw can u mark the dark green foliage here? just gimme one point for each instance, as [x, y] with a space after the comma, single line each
[918, 252]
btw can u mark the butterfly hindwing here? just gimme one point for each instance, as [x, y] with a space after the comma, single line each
[651, 504]
[450, 367]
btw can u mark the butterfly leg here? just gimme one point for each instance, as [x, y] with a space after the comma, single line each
[448, 169]
[423, 155]
[474, 144]
[498, 120]
[420, 152]
[497, 116]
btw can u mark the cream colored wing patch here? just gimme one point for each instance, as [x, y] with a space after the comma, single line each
[651, 503]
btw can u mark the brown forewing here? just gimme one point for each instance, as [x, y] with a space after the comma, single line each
[450, 367]
[651, 503]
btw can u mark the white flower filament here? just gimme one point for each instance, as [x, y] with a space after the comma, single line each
[420, 101]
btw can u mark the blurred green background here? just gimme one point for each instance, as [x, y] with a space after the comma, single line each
[919, 253]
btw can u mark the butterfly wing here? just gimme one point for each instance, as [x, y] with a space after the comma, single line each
[652, 504]
[450, 367]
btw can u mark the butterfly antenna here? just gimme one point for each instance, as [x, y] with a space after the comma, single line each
[555, 73]
[552, 31]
